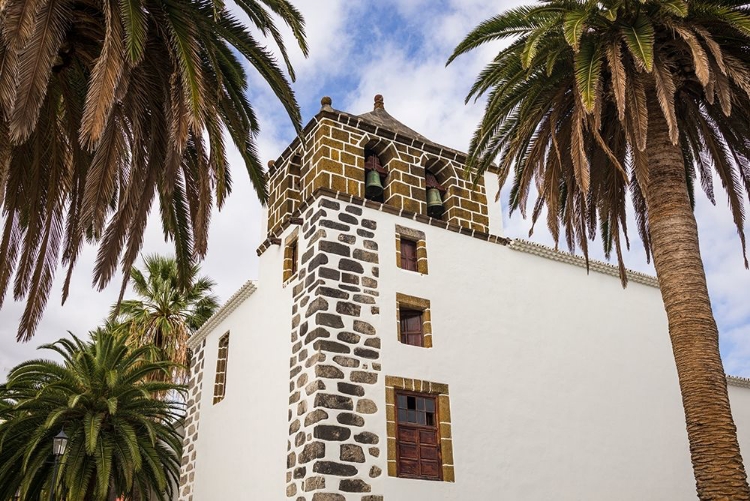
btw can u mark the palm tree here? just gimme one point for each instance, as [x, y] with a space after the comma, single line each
[107, 105]
[166, 314]
[122, 438]
[591, 101]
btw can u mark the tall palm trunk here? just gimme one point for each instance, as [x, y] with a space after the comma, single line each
[714, 450]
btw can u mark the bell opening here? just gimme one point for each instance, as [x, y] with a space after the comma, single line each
[374, 177]
[434, 196]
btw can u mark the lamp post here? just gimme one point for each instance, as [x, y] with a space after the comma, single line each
[59, 444]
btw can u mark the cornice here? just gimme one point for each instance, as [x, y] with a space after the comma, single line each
[232, 303]
[742, 382]
[594, 265]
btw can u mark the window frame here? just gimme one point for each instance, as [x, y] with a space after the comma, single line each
[435, 427]
[405, 313]
[409, 263]
[220, 375]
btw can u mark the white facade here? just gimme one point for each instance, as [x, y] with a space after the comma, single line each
[562, 384]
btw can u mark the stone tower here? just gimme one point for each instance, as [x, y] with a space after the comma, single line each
[337, 445]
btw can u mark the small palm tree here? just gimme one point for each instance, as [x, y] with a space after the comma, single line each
[122, 438]
[166, 314]
[108, 105]
[595, 100]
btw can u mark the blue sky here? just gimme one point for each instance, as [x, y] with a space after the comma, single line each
[397, 48]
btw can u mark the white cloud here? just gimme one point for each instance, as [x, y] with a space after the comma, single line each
[357, 52]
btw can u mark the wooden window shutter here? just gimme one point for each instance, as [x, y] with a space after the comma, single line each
[408, 255]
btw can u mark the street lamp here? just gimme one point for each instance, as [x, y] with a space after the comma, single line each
[59, 444]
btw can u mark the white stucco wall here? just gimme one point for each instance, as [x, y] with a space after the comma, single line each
[562, 384]
[242, 440]
[739, 399]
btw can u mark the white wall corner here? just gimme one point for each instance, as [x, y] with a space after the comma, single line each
[494, 205]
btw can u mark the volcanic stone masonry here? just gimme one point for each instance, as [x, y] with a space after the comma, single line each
[195, 388]
[334, 450]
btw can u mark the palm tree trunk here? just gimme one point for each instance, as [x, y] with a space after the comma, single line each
[715, 452]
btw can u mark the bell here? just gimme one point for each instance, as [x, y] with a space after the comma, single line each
[373, 186]
[434, 203]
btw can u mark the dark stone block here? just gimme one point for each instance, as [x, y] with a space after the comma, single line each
[294, 426]
[315, 416]
[300, 472]
[291, 459]
[352, 453]
[315, 386]
[348, 337]
[316, 333]
[317, 304]
[354, 485]
[353, 209]
[370, 224]
[328, 371]
[333, 274]
[332, 346]
[364, 328]
[329, 432]
[365, 233]
[334, 248]
[360, 298]
[330, 401]
[327, 496]
[367, 256]
[333, 468]
[375, 271]
[334, 225]
[365, 353]
[348, 218]
[307, 255]
[366, 438]
[367, 282]
[313, 450]
[370, 245]
[314, 219]
[331, 292]
[303, 328]
[318, 260]
[329, 320]
[351, 389]
[349, 265]
[347, 239]
[346, 361]
[363, 377]
[348, 278]
[324, 202]
[346, 308]
[350, 419]
[373, 342]
[350, 288]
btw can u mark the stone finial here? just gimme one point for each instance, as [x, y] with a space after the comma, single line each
[271, 163]
[379, 104]
[325, 103]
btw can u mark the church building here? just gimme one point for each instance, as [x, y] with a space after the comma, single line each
[396, 346]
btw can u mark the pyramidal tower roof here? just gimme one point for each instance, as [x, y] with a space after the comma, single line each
[378, 116]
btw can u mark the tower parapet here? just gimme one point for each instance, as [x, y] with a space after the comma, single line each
[332, 155]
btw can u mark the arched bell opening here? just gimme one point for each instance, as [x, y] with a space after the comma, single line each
[375, 175]
[434, 195]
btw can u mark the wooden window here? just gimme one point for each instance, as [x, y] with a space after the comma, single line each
[220, 384]
[418, 452]
[410, 327]
[408, 255]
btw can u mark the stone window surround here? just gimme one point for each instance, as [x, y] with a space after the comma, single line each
[440, 390]
[415, 303]
[222, 359]
[289, 268]
[417, 236]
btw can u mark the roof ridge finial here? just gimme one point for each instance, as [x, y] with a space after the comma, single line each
[379, 104]
[325, 103]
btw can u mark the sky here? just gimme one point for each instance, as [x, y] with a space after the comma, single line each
[397, 48]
